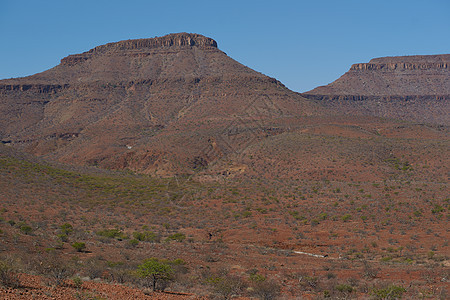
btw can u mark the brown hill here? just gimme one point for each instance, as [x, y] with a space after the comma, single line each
[405, 87]
[127, 104]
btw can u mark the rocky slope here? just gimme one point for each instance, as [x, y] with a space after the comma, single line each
[404, 87]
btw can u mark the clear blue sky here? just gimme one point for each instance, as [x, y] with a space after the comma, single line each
[303, 44]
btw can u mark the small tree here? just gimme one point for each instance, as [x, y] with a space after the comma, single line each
[155, 271]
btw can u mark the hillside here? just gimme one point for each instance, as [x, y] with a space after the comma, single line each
[300, 237]
[403, 87]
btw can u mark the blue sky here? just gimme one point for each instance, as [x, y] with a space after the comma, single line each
[303, 44]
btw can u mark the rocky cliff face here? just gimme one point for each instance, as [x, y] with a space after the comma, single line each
[399, 66]
[173, 41]
[405, 87]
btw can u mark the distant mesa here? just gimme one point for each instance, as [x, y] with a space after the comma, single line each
[405, 87]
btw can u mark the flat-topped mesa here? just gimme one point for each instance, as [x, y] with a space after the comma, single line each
[414, 88]
[174, 40]
[436, 58]
[414, 62]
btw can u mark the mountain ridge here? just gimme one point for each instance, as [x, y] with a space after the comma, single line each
[415, 88]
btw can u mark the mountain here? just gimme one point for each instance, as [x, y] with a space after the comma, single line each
[404, 87]
[153, 105]
[177, 105]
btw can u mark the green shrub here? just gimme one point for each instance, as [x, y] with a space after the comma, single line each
[77, 282]
[323, 216]
[246, 214]
[79, 246]
[177, 262]
[310, 281]
[257, 277]
[437, 209]
[114, 264]
[63, 237]
[262, 210]
[227, 285]
[133, 242]
[179, 237]
[112, 234]
[66, 229]
[346, 217]
[344, 288]
[146, 236]
[140, 236]
[314, 222]
[25, 229]
[390, 292]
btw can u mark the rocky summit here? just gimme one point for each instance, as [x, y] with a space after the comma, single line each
[405, 87]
